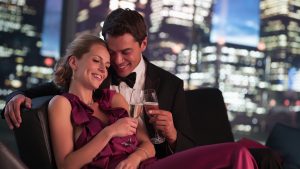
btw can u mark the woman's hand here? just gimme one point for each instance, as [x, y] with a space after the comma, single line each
[124, 127]
[132, 162]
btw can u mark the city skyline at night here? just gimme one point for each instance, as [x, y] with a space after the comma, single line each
[206, 43]
[29, 43]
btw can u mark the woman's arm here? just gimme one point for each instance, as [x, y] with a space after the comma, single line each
[144, 151]
[61, 130]
[62, 135]
[145, 148]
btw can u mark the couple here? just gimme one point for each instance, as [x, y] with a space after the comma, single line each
[89, 132]
[125, 33]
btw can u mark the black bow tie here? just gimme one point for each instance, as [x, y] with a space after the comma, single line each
[129, 80]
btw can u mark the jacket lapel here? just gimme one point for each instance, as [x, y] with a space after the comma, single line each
[151, 80]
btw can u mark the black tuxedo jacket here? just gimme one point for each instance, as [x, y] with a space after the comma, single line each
[171, 97]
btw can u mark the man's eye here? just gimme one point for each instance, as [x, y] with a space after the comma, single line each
[111, 53]
[126, 53]
[96, 60]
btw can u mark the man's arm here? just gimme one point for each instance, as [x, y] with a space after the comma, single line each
[181, 121]
[42, 90]
[11, 111]
[172, 119]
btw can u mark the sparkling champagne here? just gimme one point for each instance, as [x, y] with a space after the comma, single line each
[150, 106]
[135, 110]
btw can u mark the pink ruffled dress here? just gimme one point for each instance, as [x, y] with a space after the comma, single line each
[118, 148]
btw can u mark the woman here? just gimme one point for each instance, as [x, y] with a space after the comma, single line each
[97, 133]
[82, 71]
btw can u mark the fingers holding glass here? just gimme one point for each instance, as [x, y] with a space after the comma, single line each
[151, 103]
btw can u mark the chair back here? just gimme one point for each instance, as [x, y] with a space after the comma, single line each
[9, 160]
[284, 140]
[33, 137]
[208, 115]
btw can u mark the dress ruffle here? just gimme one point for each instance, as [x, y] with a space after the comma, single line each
[118, 148]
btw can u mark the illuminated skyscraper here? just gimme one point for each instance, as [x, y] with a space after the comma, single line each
[20, 37]
[177, 32]
[235, 64]
[21, 27]
[91, 14]
[280, 33]
[22, 24]
[177, 29]
[240, 77]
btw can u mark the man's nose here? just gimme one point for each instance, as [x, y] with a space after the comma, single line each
[118, 58]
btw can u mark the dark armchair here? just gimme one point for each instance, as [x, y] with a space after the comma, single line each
[9, 160]
[208, 115]
[33, 140]
[206, 109]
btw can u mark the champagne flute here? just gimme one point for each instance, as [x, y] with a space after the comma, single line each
[151, 103]
[135, 108]
[136, 103]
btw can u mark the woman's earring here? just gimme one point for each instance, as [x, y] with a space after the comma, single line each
[73, 76]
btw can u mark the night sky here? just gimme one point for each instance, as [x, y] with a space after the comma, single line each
[52, 27]
[238, 23]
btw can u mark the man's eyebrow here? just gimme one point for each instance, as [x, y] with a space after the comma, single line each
[126, 49]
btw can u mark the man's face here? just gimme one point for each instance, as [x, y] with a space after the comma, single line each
[125, 53]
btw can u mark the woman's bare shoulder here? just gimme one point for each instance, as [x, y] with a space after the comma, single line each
[58, 99]
[59, 102]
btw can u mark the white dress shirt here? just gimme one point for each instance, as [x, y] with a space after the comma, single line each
[124, 89]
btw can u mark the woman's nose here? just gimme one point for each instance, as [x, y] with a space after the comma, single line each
[101, 67]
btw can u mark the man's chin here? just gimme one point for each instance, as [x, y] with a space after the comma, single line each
[123, 73]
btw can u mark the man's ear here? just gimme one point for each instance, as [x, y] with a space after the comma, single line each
[73, 62]
[144, 44]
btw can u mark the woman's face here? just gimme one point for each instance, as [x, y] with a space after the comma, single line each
[91, 69]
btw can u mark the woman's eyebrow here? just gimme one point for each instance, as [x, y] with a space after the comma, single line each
[100, 57]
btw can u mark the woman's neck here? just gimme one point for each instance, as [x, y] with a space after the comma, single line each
[84, 94]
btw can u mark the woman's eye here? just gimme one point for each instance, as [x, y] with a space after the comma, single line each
[96, 60]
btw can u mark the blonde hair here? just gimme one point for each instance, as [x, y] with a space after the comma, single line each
[78, 47]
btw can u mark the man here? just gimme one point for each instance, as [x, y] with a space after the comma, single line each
[125, 32]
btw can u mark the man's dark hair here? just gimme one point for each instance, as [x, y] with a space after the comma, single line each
[121, 21]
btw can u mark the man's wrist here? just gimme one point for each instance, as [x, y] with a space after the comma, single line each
[172, 141]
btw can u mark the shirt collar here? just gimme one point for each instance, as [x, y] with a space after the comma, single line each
[140, 74]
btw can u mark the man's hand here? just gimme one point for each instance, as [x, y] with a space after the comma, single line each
[163, 121]
[12, 110]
